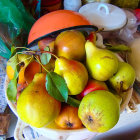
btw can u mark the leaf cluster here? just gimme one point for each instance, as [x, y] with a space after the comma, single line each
[55, 84]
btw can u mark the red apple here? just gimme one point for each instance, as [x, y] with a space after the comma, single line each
[92, 85]
[92, 37]
[46, 42]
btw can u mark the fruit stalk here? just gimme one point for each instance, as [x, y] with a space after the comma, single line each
[38, 53]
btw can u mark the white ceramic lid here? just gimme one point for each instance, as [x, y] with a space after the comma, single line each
[104, 15]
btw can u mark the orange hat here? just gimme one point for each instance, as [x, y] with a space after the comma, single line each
[56, 21]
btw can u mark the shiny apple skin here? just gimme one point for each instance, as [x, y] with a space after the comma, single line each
[92, 85]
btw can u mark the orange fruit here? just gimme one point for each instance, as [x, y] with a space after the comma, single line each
[33, 68]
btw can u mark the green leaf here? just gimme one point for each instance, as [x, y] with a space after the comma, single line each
[13, 51]
[73, 102]
[118, 48]
[12, 90]
[12, 87]
[13, 61]
[47, 48]
[45, 57]
[56, 86]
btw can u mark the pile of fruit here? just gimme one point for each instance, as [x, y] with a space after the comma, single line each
[68, 82]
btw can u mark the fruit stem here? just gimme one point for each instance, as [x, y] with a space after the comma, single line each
[33, 53]
[99, 30]
[41, 64]
[50, 53]
[30, 52]
[24, 59]
[23, 48]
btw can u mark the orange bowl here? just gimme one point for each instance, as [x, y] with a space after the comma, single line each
[57, 21]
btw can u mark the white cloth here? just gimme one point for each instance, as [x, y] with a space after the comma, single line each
[3, 102]
[30, 134]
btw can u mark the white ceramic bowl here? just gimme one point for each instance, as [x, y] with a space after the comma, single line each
[56, 134]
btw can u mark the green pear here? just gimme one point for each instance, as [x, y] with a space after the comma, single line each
[35, 106]
[74, 73]
[101, 63]
[124, 78]
[99, 111]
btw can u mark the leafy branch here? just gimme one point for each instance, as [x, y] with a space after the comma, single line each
[55, 84]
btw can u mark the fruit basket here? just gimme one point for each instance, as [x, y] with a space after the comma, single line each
[56, 88]
[50, 133]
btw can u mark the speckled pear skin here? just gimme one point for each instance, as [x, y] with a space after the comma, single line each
[99, 111]
[124, 78]
[35, 106]
[101, 63]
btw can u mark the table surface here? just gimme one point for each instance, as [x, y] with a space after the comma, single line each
[128, 127]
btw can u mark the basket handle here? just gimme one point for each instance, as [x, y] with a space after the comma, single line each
[18, 135]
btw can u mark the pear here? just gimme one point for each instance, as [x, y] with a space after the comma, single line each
[124, 78]
[101, 63]
[99, 111]
[35, 106]
[74, 73]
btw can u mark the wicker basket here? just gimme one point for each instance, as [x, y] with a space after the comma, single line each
[58, 134]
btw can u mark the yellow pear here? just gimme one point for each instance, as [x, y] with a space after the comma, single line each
[124, 78]
[74, 73]
[35, 106]
[99, 111]
[101, 63]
